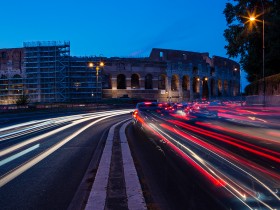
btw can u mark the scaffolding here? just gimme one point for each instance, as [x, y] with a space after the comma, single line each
[85, 82]
[47, 71]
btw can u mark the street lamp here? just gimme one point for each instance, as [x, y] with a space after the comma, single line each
[253, 19]
[240, 83]
[97, 68]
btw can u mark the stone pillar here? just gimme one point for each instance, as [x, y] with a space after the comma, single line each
[223, 89]
[191, 88]
[216, 88]
[180, 91]
[142, 83]
[169, 89]
[114, 83]
[155, 84]
[200, 87]
[209, 88]
[128, 83]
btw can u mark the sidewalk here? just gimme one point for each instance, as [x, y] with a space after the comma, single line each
[116, 184]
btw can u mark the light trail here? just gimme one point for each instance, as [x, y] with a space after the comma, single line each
[27, 165]
[37, 138]
[13, 157]
[235, 187]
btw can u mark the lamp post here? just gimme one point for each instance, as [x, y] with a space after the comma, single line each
[253, 19]
[97, 68]
[240, 82]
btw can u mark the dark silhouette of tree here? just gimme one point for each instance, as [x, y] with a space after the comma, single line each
[245, 38]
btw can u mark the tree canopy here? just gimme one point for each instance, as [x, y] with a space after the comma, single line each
[245, 37]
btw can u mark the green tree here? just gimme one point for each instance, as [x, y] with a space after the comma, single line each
[245, 38]
[22, 100]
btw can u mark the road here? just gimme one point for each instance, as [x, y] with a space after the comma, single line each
[44, 160]
[235, 158]
[184, 162]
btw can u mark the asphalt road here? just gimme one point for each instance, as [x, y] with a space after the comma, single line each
[224, 163]
[52, 182]
[166, 181]
[232, 162]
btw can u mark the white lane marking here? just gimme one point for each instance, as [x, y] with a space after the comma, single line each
[37, 138]
[135, 198]
[97, 197]
[10, 176]
[13, 157]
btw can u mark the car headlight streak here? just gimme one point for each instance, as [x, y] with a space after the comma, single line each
[239, 189]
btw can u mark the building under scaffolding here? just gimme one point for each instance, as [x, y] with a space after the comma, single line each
[11, 75]
[47, 71]
[85, 80]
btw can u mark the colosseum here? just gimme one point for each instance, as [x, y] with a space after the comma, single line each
[47, 73]
[171, 76]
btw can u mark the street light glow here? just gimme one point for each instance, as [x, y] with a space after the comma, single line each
[90, 65]
[252, 19]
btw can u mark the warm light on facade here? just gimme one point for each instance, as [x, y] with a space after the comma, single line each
[90, 65]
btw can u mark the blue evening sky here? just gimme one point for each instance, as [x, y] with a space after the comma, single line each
[116, 28]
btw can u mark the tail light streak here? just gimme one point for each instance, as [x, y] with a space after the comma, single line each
[216, 176]
[232, 141]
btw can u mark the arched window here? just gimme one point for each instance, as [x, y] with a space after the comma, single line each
[161, 82]
[226, 86]
[135, 81]
[196, 82]
[174, 83]
[185, 83]
[121, 81]
[219, 87]
[148, 81]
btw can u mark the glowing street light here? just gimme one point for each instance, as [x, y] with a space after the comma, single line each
[97, 68]
[252, 19]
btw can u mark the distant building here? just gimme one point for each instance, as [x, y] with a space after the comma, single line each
[47, 73]
[172, 75]
[11, 75]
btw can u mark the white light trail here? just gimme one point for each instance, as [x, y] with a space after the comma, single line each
[37, 138]
[13, 157]
[24, 167]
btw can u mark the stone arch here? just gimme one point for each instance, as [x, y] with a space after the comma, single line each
[230, 88]
[149, 81]
[174, 82]
[185, 83]
[185, 87]
[121, 81]
[220, 87]
[205, 90]
[226, 87]
[196, 82]
[162, 82]
[135, 81]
